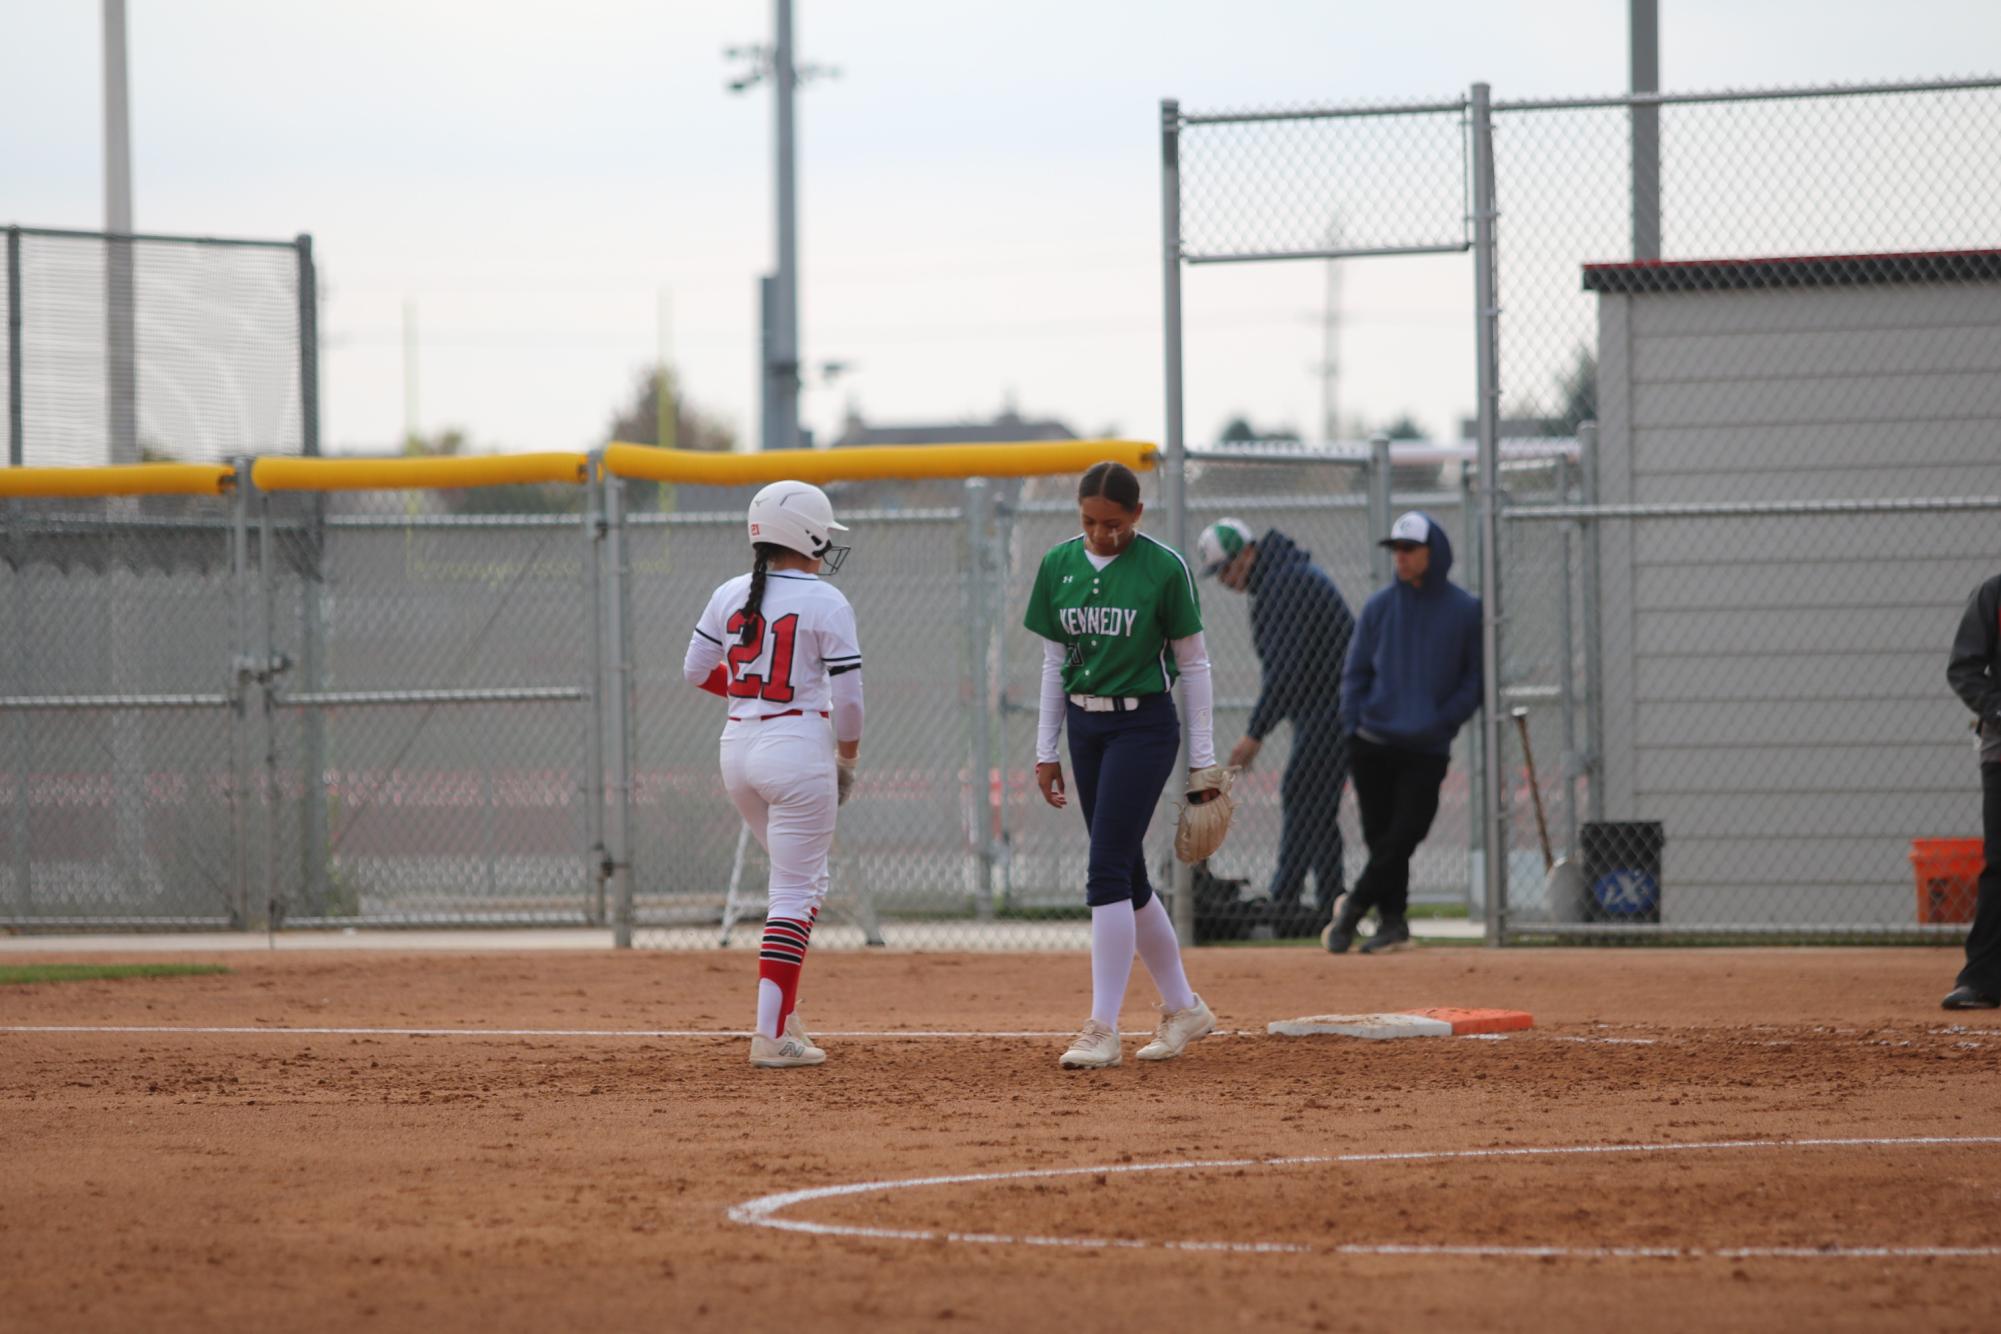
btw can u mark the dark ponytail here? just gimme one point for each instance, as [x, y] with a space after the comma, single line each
[1114, 481]
[754, 604]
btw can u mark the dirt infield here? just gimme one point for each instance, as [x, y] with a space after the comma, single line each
[1812, 1127]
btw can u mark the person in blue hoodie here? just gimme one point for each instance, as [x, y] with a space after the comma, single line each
[1300, 627]
[1413, 677]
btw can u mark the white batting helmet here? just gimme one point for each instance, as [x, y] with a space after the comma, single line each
[799, 517]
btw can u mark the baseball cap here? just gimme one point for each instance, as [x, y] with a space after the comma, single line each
[1410, 527]
[1220, 543]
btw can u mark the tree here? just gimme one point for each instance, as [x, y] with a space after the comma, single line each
[1239, 431]
[1406, 479]
[1575, 399]
[1579, 389]
[638, 423]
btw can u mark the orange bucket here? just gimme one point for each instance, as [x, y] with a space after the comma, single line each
[1948, 871]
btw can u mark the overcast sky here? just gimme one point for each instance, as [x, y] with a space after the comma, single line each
[979, 187]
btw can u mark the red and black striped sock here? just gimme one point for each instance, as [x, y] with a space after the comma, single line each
[780, 959]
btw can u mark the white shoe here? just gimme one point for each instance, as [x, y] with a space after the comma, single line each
[1177, 1030]
[1093, 1049]
[782, 1053]
[795, 1029]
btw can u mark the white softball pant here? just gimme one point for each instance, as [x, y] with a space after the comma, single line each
[780, 774]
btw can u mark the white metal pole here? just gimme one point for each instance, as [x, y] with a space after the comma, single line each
[785, 334]
[120, 345]
[618, 822]
[1172, 474]
[1645, 53]
[1487, 330]
[1381, 498]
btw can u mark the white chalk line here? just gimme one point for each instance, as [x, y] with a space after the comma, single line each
[860, 1035]
[283, 1031]
[763, 1211]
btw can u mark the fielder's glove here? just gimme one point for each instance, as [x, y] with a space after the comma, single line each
[844, 780]
[1205, 820]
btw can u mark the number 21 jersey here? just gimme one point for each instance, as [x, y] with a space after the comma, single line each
[805, 630]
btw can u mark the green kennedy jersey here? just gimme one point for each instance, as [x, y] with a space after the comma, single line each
[1115, 622]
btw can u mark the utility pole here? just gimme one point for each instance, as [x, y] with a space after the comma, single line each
[121, 366]
[779, 292]
[1330, 344]
[411, 423]
[1330, 364]
[1644, 50]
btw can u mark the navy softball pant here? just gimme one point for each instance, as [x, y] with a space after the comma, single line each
[1121, 761]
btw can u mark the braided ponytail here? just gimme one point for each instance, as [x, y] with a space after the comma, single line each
[754, 603]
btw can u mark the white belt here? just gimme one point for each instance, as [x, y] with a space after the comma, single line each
[1106, 703]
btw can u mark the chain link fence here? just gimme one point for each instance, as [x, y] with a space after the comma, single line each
[1796, 408]
[1734, 482]
[1718, 637]
[259, 711]
[123, 349]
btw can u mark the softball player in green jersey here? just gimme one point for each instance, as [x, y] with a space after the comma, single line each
[1119, 620]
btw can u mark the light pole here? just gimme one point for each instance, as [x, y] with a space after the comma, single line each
[120, 345]
[779, 293]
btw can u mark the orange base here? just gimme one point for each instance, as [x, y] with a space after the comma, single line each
[1480, 1021]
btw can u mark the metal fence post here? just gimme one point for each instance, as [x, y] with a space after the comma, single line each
[309, 349]
[597, 863]
[19, 814]
[618, 815]
[1487, 315]
[1566, 661]
[240, 669]
[269, 663]
[1594, 692]
[17, 445]
[1173, 477]
[316, 852]
[1476, 737]
[979, 777]
[315, 842]
[1380, 488]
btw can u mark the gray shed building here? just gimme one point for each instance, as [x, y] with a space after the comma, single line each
[1774, 675]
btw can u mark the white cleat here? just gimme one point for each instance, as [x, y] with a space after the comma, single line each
[795, 1029]
[782, 1053]
[1092, 1049]
[1177, 1030]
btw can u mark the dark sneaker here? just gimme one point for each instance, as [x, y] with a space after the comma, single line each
[1340, 933]
[1393, 934]
[1966, 998]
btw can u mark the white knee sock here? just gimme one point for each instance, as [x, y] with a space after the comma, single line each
[769, 1001]
[1161, 953]
[1111, 960]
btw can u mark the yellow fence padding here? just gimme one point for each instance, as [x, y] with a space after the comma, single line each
[417, 473]
[132, 479]
[1041, 458]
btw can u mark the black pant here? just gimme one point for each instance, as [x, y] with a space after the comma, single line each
[1397, 791]
[1121, 761]
[1310, 837]
[1983, 942]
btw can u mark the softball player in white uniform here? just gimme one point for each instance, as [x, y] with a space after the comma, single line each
[780, 646]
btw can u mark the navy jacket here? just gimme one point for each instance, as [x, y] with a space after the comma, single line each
[1414, 669]
[1300, 627]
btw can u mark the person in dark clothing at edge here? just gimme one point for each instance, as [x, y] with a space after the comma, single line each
[1975, 674]
[1413, 677]
[1300, 627]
